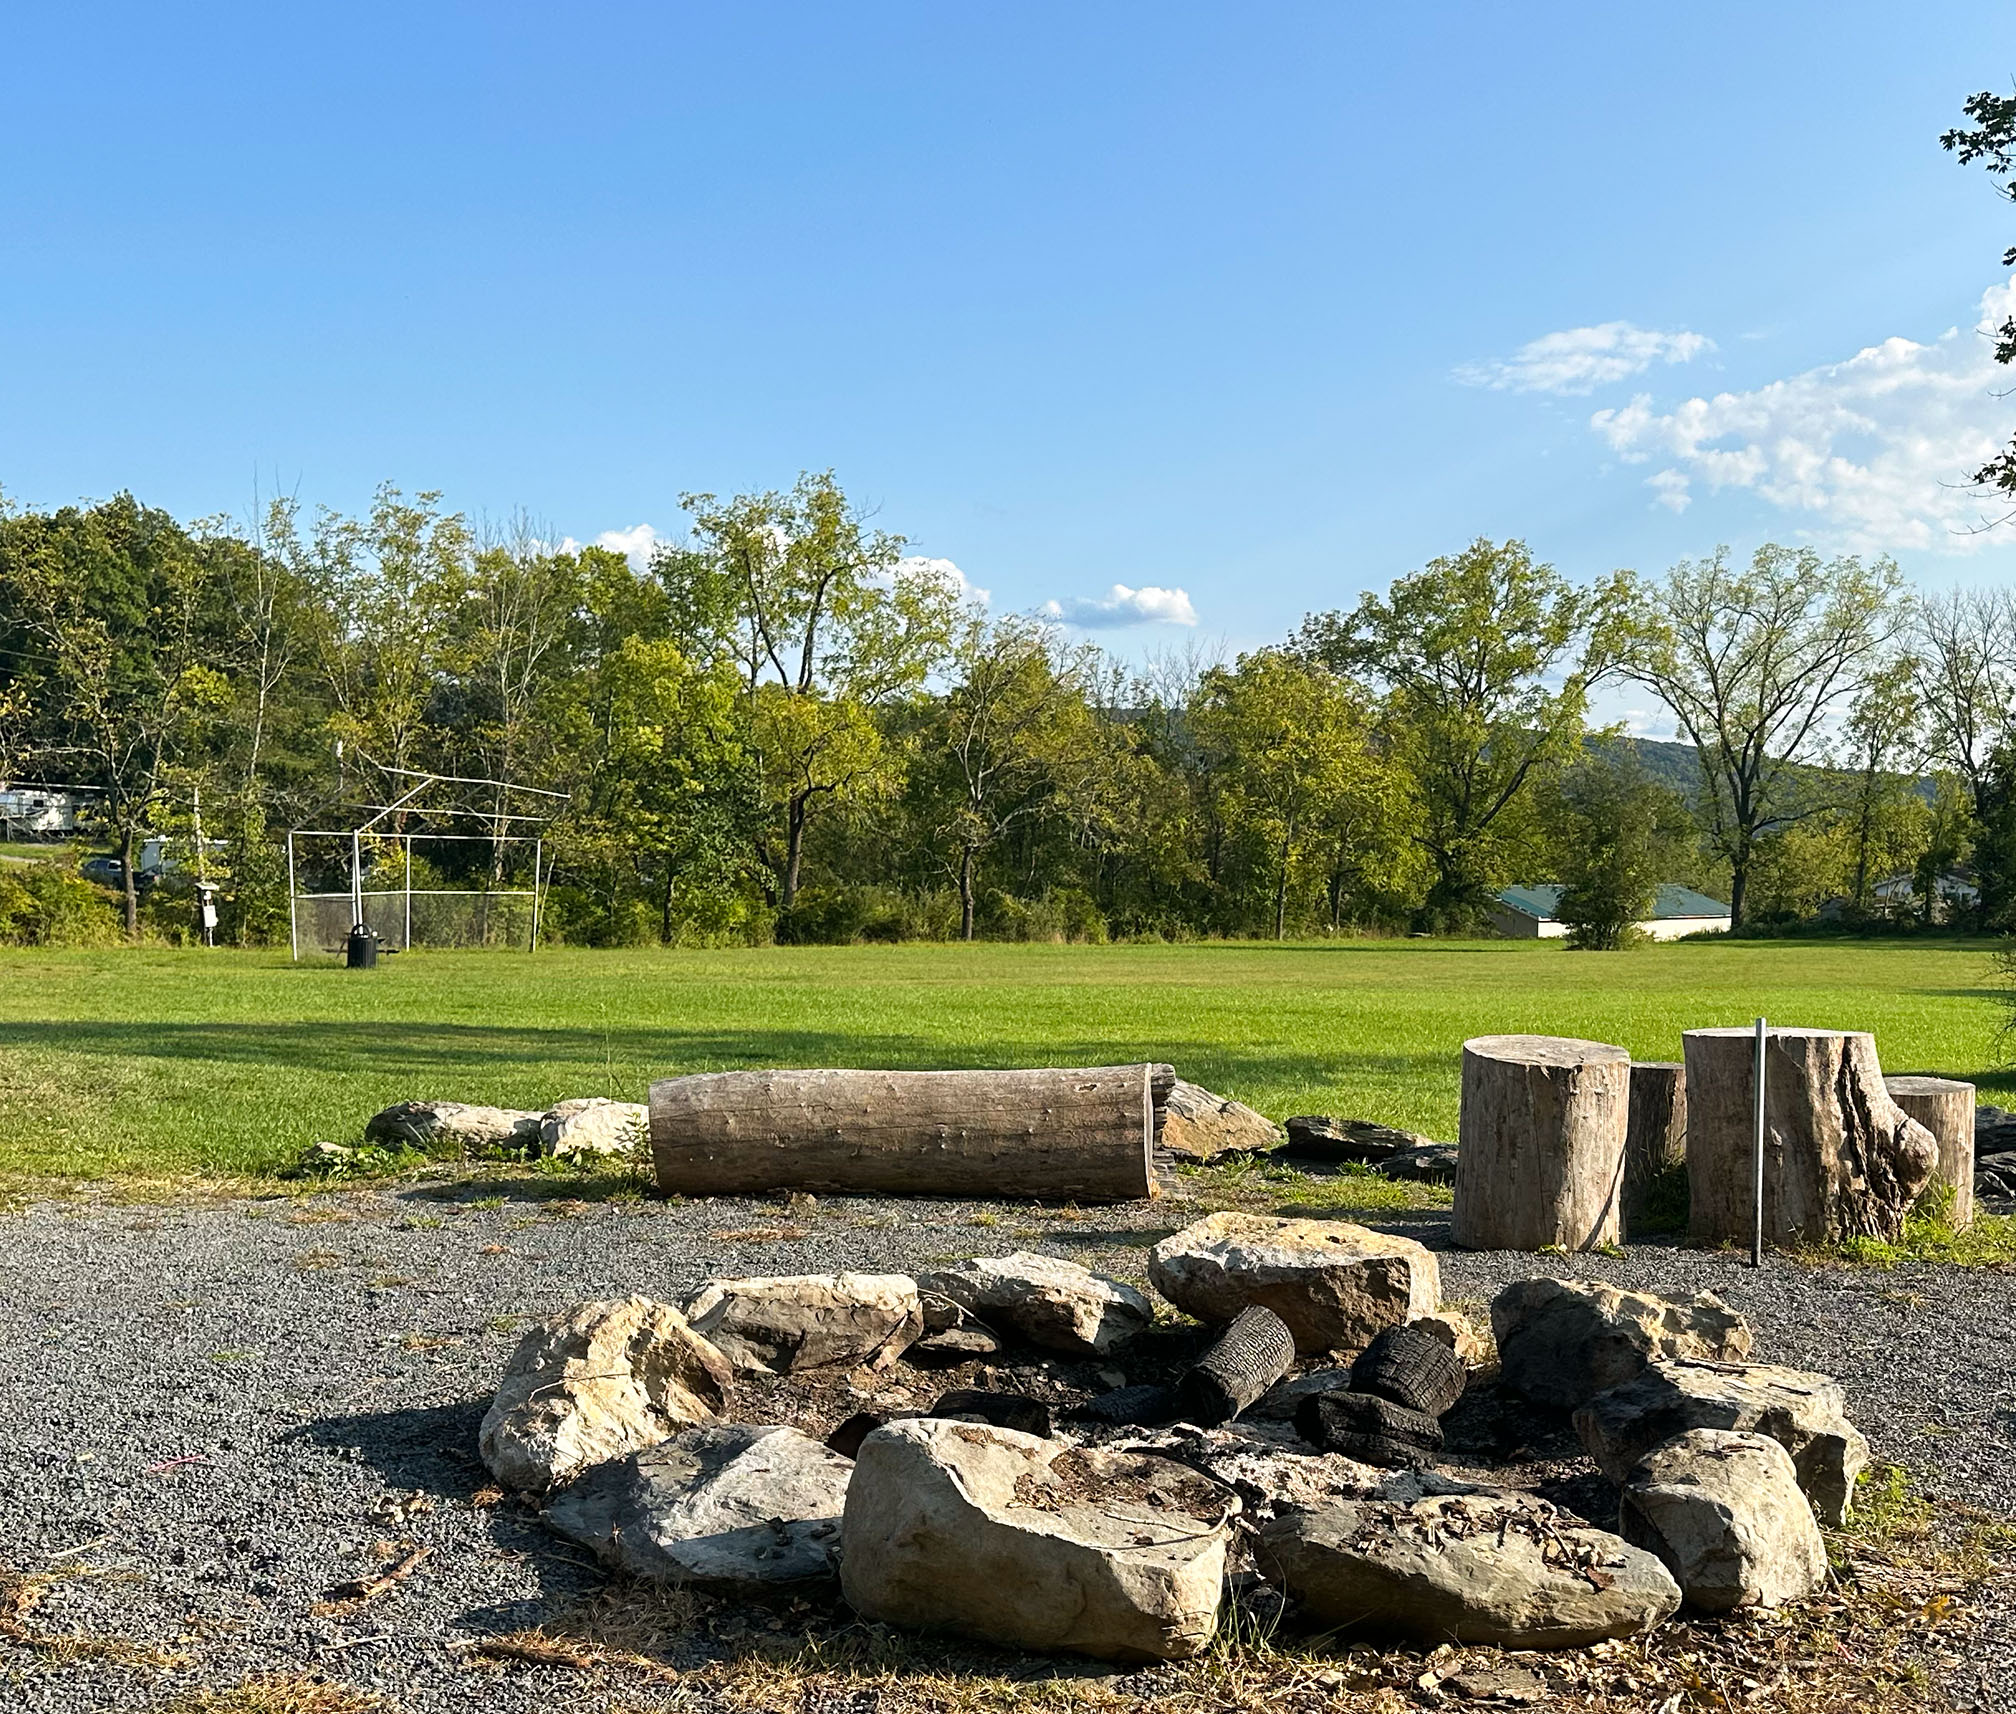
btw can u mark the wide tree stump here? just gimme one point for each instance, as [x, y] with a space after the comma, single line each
[1540, 1153]
[1945, 1107]
[1841, 1159]
[1061, 1134]
[1655, 1137]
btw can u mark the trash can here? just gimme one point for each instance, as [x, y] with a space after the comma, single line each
[361, 950]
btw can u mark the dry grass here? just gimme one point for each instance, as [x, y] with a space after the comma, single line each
[22, 1592]
[281, 1693]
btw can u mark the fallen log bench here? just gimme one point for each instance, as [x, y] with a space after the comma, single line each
[1057, 1134]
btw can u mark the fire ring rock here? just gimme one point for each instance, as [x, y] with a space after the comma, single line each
[1052, 1303]
[737, 1509]
[1805, 1412]
[1561, 1342]
[789, 1323]
[1725, 1513]
[1498, 1568]
[1335, 1284]
[954, 1526]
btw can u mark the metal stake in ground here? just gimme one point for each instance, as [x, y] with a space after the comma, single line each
[1757, 1166]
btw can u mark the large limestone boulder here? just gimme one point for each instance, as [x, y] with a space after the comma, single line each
[738, 1509]
[1725, 1514]
[597, 1381]
[1056, 1304]
[591, 1125]
[1561, 1342]
[1805, 1412]
[790, 1323]
[962, 1527]
[451, 1128]
[1481, 1567]
[1335, 1284]
[1200, 1126]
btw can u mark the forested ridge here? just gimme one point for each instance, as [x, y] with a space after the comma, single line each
[787, 727]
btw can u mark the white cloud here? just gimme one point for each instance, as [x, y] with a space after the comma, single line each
[1123, 606]
[1581, 359]
[960, 585]
[1873, 452]
[635, 544]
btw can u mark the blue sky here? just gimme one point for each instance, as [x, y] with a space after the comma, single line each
[1262, 304]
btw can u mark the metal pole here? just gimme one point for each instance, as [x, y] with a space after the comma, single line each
[406, 945]
[356, 880]
[1757, 1162]
[538, 847]
[293, 903]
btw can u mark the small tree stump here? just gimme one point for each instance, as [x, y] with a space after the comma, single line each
[1656, 1136]
[1540, 1154]
[1945, 1107]
[1841, 1159]
[1053, 1133]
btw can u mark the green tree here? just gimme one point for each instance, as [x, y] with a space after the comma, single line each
[121, 609]
[1753, 663]
[1616, 834]
[1883, 812]
[1292, 759]
[1991, 140]
[1014, 740]
[829, 626]
[1486, 659]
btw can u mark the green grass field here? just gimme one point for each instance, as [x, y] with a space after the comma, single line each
[146, 1064]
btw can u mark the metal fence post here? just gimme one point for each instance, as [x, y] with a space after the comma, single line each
[1757, 1165]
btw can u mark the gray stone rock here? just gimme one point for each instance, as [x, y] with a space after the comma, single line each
[1561, 1342]
[792, 1323]
[1805, 1412]
[595, 1382]
[591, 1125]
[1353, 1141]
[1725, 1514]
[453, 1128]
[954, 1526]
[1482, 1567]
[1056, 1304]
[1334, 1283]
[1433, 1164]
[737, 1509]
[1200, 1126]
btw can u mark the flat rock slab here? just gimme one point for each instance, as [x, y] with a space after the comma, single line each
[453, 1127]
[738, 1509]
[595, 1382]
[1483, 1567]
[1334, 1283]
[1349, 1141]
[1804, 1411]
[1561, 1342]
[1056, 1304]
[1725, 1514]
[1200, 1126]
[954, 1526]
[792, 1323]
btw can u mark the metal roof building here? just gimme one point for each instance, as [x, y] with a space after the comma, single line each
[1527, 913]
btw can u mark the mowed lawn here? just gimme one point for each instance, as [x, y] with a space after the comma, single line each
[154, 1064]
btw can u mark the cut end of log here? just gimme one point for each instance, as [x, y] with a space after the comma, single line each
[1544, 1050]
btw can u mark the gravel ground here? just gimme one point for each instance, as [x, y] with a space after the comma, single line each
[212, 1415]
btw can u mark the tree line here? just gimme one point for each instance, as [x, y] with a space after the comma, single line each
[787, 727]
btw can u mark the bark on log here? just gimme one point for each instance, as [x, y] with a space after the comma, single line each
[1062, 1134]
[1841, 1159]
[1656, 1136]
[1540, 1155]
[1945, 1107]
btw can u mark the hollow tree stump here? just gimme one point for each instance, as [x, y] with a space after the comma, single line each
[1841, 1159]
[1540, 1151]
[1063, 1134]
[1655, 1137]
[1945, 1107]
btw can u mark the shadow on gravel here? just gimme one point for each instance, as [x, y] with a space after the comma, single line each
[427, 1447]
